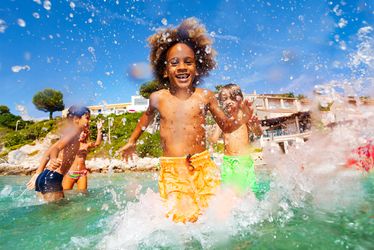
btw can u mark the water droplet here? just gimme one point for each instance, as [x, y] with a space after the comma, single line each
[18, 68]
[3, 26]
[100, 83]
[164, 21]
[21, 22]
[47, 5]
[36, 15]
[72, 5]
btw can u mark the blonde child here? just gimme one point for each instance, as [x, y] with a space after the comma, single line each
[237, 169]
[188, 178]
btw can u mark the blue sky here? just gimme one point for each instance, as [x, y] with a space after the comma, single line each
[87, 49]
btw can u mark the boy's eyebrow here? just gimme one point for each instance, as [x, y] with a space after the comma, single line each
[177, 58]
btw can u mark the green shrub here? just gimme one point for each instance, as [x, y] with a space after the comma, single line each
[17, 139]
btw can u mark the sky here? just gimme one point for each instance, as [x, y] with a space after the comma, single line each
[96, 52]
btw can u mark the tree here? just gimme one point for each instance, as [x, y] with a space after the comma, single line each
[49, 100]
[147, 88]
[218, 87]
[4, 110]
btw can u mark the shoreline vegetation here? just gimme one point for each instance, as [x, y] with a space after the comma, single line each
[21, 150]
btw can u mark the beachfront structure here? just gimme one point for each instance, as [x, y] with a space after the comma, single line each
[137, 104]
[285, 120]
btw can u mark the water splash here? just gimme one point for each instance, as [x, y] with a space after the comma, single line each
[17, 68]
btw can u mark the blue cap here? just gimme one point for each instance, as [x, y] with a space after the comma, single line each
[77, 111]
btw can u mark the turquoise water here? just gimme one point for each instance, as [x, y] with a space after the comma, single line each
[121, 212]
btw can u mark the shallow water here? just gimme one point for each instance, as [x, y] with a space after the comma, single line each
[122, 211]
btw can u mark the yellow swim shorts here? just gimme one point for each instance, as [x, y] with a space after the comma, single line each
[187, 184]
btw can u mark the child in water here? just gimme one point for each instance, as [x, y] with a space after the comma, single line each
[78, 172]
[237, 169]
[57, 160]
[188, 177]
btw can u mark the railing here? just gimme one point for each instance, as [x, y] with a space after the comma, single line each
[282, 132]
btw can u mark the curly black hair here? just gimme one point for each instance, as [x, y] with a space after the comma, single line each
[190, 32]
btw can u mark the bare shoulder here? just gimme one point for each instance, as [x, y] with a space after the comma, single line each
[206, 94]
[157, 96]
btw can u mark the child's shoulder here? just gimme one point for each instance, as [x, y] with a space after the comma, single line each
[205, 92]
[160, 93]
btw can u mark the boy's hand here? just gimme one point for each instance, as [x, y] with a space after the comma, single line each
[55, 164]
[127, 151]
[31, 184]
[99, 124]
[247, 109]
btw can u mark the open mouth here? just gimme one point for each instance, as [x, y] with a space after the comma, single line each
[182, 76]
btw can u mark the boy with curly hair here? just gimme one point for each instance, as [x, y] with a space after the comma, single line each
[188, 178]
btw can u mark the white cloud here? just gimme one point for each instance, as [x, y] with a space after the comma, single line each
[23, 112]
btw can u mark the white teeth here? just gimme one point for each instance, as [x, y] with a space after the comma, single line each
[184, 76]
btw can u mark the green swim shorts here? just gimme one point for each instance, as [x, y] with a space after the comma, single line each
[238, 172]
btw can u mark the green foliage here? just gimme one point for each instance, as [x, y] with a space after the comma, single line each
[9, 120]
[149, 145]
[123, 126]
[146, 89]
[218, 87]
[325, 108]
[4, 109]
[288, 95]
[300, 97]
[17, 139]
[49, 100]
[219, 148]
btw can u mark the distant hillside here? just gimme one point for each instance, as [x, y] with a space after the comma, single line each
[121, 129]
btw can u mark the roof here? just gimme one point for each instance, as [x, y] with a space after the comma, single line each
[278, 120]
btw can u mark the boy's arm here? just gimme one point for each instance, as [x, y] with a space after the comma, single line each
[228, 125]
[51, 156]
[255, 126]
[129, 149]
[99, 136]
[43, 162]
[54, 162]
[215, 135]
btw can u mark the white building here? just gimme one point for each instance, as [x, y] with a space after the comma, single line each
[284, 120]
[137, 104]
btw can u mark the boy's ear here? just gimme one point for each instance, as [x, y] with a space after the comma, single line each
[165, 74]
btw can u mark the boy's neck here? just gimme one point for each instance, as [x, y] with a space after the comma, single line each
[182, 93]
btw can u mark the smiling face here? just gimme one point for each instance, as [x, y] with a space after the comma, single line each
[230, 100]
[83, 136]
[181, 66]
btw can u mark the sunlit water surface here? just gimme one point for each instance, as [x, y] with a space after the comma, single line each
[123, 211]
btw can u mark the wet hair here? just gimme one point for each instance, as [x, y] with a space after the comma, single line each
[233, 89]
[193, 34]
[77, 111]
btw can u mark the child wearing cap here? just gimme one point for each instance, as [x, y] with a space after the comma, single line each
[57, 160]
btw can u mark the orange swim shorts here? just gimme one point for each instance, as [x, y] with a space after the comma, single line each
[186, 184]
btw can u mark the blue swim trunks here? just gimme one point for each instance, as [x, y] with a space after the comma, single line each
[49, 181]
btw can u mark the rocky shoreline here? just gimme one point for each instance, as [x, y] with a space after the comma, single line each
[94, 166]
[25, 161]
